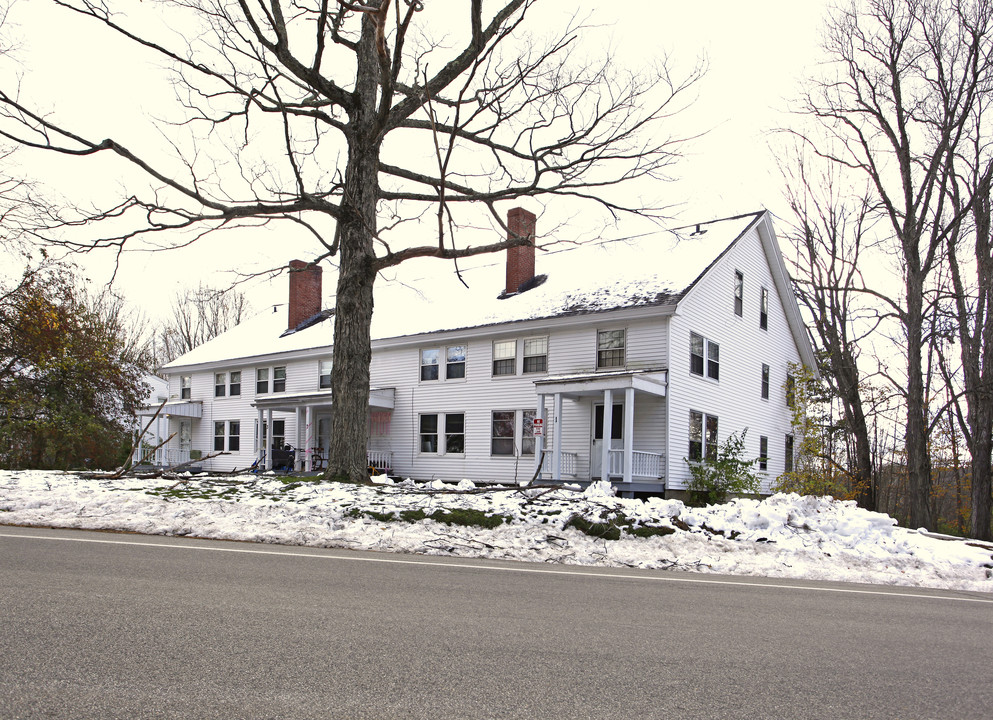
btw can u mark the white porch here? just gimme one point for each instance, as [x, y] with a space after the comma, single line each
[612, 453]
[312, 411]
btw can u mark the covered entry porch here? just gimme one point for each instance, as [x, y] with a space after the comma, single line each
[312, 412]
[593, 433]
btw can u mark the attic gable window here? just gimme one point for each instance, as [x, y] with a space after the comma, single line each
[764, 310]
[610, 346]
[739, 292]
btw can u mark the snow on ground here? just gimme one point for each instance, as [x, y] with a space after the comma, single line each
[781, 536]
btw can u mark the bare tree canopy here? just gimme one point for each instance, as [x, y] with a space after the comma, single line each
[901, 105]
[197, 315]
[356, 120]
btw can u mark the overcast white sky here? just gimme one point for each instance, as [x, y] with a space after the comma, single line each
[757, 54]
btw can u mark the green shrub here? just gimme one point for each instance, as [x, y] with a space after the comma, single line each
[712, 480]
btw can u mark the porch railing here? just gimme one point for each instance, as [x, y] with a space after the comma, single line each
[170, 457]
[643, 464]
[381, 459]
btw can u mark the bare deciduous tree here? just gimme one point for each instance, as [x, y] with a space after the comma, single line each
[197, 315]
[347, 118]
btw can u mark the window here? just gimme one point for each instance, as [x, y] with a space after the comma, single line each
[234, 383]
[218, 436]
[789, 453]
[610, 349]
[536, 355]
[220, 384]
[429, 433]
[278, 433]
[324, 374]
[185, 387]
[502, 438]
[454, 433]
[703, 436]
[616, 422]
[698, 345]
[234, 436]
[763, 453]
[455, 362]
[505, 357]
[527, 437]
[262, 381]
[765, 382]
[764, 310]
[429, 364]
[739, 292]
[713, 360]
[279, 380]
[790, 390]
[696, 354]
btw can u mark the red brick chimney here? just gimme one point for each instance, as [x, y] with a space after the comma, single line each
[305, 292]
[520, 259]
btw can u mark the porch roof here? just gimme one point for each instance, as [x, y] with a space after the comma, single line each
[650, 380]
[379, 399]
[179, 408]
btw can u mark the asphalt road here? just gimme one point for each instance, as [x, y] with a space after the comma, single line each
[98, 625]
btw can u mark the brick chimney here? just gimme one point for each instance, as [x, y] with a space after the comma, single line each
[520, 259]
[305, 292]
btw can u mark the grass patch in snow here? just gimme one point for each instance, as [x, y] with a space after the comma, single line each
[468, 517]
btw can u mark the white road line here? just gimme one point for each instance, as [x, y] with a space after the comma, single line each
[521, 569]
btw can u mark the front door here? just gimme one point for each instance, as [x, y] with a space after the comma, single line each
[185, 440]
[616, 438]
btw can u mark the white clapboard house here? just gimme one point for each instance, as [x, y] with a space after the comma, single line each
[622, 360]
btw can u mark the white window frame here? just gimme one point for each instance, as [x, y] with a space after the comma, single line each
[543, 339]
[708, 448]
[500, 355]
[711, 368]
[739, 293]
[185, 387]
[323, 365]
[603, 347]
[764, 309]
[234, 381]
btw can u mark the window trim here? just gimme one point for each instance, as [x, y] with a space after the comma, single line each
[600, 351]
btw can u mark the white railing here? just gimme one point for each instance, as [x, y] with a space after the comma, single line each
[170, 457]
[643, 464]
[569, 462]
[382, 459]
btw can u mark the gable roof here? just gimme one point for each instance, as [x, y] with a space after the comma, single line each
[427, 296]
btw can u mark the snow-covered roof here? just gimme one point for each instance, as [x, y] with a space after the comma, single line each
[427, 295]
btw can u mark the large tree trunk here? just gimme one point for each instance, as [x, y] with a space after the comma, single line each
[356, 275]
[918, 459]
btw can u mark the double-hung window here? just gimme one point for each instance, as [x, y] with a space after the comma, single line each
[527, 432]
[324, 374]
[789, 453]
[505, 357]
[454, 433]
[455, 362]
[430, 426]
[703, 436]
[185, 387]
[233, 435]
[261, 381]
[790, 390]
[610, 345]
[504, 430]
[764, 310]
[701, 348]
[234, 383]
[763, 453]
[429, 433]
[739, 292]
[220, 384]
[218, 435]
[765, 382]
[279, 379]
[536, 355]
[429, 364]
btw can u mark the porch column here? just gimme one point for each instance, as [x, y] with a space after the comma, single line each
[309, 442]
[557, 441]
[539, 442]
[628, 434]
[608, 431]
[267, 439]
[297, 457]
[259, 435]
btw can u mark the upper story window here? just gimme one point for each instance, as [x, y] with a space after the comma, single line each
[220, 384]
[429, 364]
[536, 355]
[739, 292]
[703, 436]
[701, 348]
[234, 383]
[764, 310]
[454, 355]
[186, 387]
[505, 357]
[765, 382]
[610, 346]
[279, 379]
[455, 362]
[790, 390]
[324, 374]
[261, 381]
